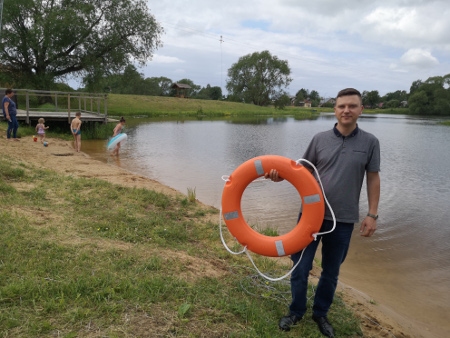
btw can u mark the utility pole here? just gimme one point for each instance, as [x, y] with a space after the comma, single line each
[221, 40]
[1, 16]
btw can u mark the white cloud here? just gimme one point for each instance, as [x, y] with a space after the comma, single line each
[419, 58]
[158, 58]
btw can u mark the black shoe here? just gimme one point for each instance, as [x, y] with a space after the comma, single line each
[324, 326]
[286, 322]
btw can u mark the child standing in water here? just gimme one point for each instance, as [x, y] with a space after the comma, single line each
[117, 130]
[75, 128]
[40, 129]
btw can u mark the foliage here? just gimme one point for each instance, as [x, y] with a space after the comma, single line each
[44, 40]
[282, 101]
[431, 97]
[398, 95]
[209, 93]
[392, 104]
[258, 78]
[371, 99]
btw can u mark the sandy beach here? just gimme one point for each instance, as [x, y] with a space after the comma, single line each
[376, 320]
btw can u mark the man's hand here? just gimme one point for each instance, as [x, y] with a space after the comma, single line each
[273, 175]
[368, 227]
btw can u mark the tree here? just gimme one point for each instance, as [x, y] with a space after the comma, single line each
[371, 99]
[45, 40]
[430, 97]
[157, 86]
[215, 93]
[258, 78]
[209, 93]
[414, 86]
[301, 96]
[315, 98]
[398, 95]
[418, 103]
[281, 101]
[392, 104]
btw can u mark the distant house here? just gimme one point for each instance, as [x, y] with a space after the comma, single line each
[327, 101]
[181, 88]
[306, 103]
[404, 104]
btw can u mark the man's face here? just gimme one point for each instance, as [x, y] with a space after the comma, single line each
[348, 109]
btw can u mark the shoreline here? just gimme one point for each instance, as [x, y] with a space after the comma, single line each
[376, 320]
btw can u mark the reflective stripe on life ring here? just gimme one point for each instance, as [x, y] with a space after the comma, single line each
[313, 206]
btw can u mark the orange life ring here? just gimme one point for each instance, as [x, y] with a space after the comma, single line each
[312, 211]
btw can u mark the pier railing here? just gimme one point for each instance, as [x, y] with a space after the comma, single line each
[60, 103]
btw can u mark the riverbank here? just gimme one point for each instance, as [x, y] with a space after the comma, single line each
[376, 321]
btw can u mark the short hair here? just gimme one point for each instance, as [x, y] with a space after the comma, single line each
[8, 91]
[78, 113]
[41, 120]
[348, 92]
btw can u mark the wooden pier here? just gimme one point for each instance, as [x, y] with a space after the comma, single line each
[31, 117]
[64, 106]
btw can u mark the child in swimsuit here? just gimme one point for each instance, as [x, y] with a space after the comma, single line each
[117, 130]
[75, 128]
[40, 128]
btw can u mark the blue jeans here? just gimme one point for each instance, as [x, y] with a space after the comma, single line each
[12, 127]
[334, 250]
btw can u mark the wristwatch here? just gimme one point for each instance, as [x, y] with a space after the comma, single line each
[375, 217]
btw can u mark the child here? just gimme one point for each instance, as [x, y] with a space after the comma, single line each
[75, 128]
[117, 130]
[40, 128]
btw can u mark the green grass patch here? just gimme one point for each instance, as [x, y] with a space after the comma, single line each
[157, 106]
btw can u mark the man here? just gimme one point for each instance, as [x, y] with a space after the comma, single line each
[342, 156]
[10, 114]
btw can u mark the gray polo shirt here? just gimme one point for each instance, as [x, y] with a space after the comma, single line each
[342, 162]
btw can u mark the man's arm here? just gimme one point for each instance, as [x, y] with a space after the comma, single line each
[369, 224]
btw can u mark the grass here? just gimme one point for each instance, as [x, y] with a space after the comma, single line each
[161, 106]
[192, 196]
[80, 257]
[158, 106]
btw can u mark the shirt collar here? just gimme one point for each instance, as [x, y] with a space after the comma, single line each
[338, 133]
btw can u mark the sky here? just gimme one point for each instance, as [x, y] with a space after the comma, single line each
[329, 45]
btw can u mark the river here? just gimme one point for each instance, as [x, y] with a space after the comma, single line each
[404, 266]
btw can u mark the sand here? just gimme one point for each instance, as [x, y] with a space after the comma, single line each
[377, 320]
